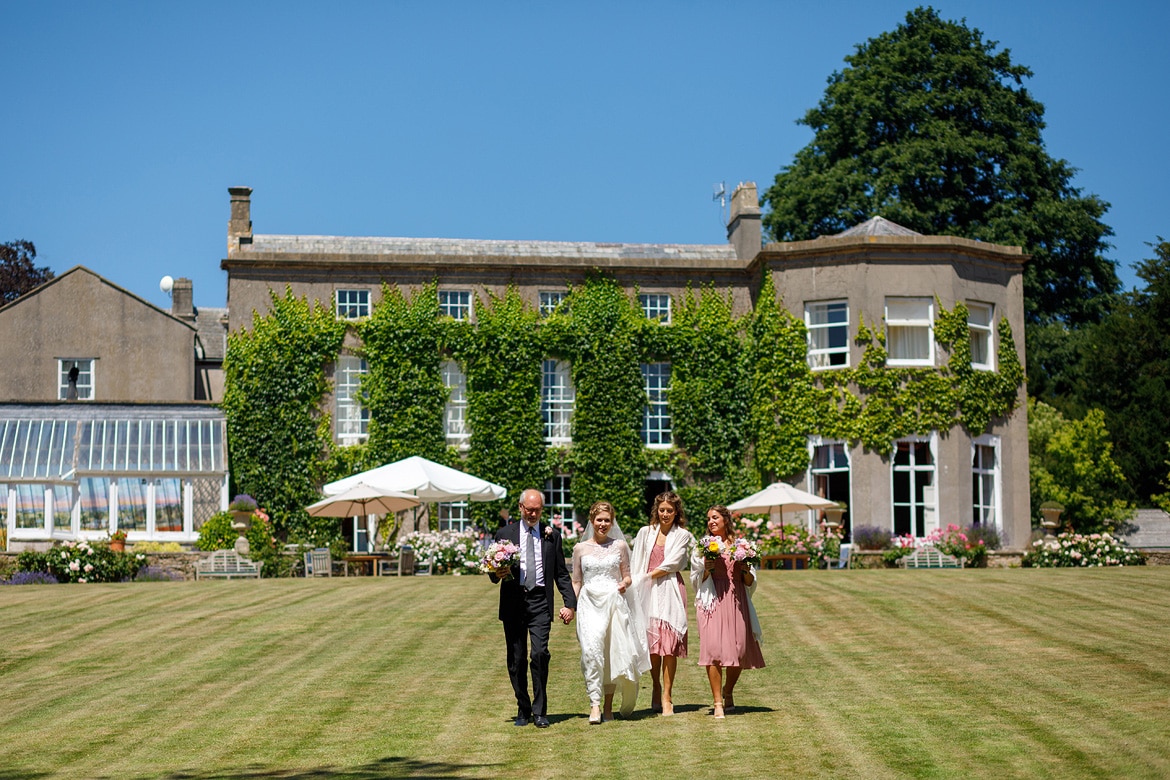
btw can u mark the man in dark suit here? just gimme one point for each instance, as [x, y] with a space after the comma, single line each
[526, 604]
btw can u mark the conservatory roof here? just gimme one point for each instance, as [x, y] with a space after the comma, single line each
[63, 442]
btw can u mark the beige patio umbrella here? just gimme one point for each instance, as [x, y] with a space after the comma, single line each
[778, 498]
[362, 499]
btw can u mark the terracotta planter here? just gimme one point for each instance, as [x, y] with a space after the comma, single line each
[118, 545]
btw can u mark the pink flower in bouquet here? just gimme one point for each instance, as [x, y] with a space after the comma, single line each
[499, 557]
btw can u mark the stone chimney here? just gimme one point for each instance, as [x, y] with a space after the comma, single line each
[240, 224]
[743, 229]
[183, 299]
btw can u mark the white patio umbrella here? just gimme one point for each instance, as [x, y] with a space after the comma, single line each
[777, 498]
[362, 499]
[425, 480]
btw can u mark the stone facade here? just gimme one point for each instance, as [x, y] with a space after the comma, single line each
[861, 272]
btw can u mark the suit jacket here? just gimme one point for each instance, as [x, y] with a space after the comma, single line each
[555, 572]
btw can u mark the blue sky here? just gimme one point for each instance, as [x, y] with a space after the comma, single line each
[126, 122]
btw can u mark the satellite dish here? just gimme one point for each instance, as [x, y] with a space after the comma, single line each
[166, 284]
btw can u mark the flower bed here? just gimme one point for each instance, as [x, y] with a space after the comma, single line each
[449, 552]
[1072, 549]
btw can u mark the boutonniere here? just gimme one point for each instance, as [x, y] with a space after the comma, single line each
[548, 532]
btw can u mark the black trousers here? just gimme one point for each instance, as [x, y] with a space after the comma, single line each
[527, 637]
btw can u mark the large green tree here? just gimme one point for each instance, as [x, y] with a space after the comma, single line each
[1124, 369]
[930, 126]
[18, 273]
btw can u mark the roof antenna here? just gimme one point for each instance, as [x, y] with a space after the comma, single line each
[720, 194]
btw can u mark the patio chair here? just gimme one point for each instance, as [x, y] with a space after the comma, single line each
[318, 562]
[393, 565]
[842, 562]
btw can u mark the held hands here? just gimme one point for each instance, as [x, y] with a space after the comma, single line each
[567, 615]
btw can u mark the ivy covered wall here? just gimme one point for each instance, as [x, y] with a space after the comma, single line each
[743, 399]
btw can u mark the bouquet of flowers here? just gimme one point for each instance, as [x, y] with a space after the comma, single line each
[500, 555]
[713, 547]
[746, 551]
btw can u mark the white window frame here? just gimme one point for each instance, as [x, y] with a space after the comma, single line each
[558, 498]
[833, 468]
[550, 300]
[984, 332]
[916, 322]
[455, 304]
[820, 358]
[454, 516]
[979, 500]
[455, 410]
[930, 497]
[653, 308]
[356, 305]
[85, 392]
[557, 399]
[353, 418]
[657, 426]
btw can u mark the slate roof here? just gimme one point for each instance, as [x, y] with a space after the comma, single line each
[471, 248]
[878, 226]
[211, 325]
[1153, 530]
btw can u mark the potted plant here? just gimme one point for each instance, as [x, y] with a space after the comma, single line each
[833, 516]
[118, 541]
[242, 507]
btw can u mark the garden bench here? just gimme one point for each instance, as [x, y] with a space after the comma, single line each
[227, 564]
[930, 558]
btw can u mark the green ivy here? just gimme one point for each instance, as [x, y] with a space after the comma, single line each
[501, 358]
[403, 342]
[274, 380]
[600, 337]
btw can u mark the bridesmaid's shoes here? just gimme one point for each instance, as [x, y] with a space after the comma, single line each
[718, 711]
[667, 709]
[594, 716]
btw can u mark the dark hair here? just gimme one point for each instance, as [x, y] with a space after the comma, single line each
[725, 513]
[602, 506]
[669, 497]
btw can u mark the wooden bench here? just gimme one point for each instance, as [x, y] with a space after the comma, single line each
[784, 561]
[930, 558]
[227, 564]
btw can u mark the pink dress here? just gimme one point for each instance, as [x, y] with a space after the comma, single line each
[662, 637]
[725, 634]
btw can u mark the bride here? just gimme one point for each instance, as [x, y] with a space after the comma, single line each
[610, 630]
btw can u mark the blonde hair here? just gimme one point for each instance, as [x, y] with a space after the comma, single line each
[602, 506]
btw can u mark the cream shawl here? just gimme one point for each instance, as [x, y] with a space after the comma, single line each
[660, 596]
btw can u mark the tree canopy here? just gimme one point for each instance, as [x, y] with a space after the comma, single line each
[930, 126]
[18, 274]
[1124, 369]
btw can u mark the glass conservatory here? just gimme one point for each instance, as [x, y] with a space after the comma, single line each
[82, 471]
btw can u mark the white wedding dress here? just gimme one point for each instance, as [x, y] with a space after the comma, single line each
[612, 636]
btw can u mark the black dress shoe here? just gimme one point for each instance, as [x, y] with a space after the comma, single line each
[521, 720]
[541, 722]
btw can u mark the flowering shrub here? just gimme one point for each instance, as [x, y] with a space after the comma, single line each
[953, 541]
[30, 578]
[447, 551]
[157, 574]
[157, 547]
[1072, 549]
[900, 547]
[83, 562]
[793, 540]
[871, 537]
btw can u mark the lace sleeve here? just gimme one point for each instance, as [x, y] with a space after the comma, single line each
[575, 576]
[624, 550]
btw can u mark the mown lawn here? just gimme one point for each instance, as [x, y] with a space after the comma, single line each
[977, 673]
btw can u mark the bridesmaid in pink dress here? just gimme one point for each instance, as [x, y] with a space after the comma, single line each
[727, 638]
[661, 550]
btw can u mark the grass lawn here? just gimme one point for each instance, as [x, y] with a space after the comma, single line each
[882, 673]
